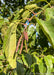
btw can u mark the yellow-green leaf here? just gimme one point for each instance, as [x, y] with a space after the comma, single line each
[25, 14]
[9, 45]
[31, 6]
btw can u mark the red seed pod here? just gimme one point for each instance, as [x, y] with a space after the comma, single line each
[21, 47]
[26, 35]
[18, 43]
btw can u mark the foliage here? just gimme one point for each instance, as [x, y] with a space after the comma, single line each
[27, 40]
[7, 7]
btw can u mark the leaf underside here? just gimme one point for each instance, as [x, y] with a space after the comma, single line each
[47, 26]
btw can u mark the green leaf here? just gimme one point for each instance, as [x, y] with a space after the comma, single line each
[52, 70]
[31, 6]
[37, 59]
[2, 21]
[25, 14]
[0, 63]
[21, 10]
[20, 67]
[49, 13]
[42, 69]
[52, 2]
[37, 27]
[2, 57]
[1, 17]
[24, 60]
[48, 25]
[9, 45]
[16, 15]
[1, 67]
[52, 59]
[37, 1]
[49, 64]
[33, 40]
[31, 30]
[28, 59]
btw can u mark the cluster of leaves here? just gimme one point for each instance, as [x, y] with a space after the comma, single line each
[7, 7]
[25, 40]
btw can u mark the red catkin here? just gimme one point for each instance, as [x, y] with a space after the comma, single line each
[21, 47]
[18, 43]
[26, 35]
